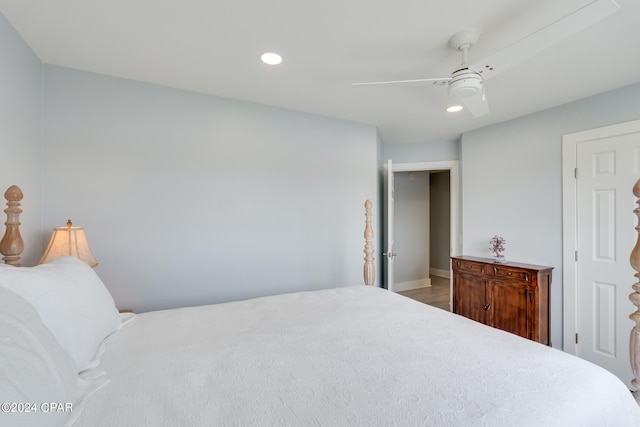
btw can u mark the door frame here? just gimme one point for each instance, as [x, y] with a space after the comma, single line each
[569, 223]
[453, 166]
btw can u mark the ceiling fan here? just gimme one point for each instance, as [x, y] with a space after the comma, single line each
[466, 83]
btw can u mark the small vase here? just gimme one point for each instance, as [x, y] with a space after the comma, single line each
[499, 258]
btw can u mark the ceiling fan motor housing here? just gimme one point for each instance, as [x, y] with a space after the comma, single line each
[464, 83]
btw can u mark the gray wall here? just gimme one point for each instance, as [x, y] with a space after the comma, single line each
[411, 210]
[512, 181]
[440, 220]
[192, 199]
[20, 134]
[435, 151]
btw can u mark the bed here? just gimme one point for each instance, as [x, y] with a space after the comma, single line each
[357, 355]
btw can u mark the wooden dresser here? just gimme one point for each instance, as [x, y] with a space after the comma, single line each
[513, 297]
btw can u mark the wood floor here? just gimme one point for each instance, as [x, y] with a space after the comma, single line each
[437, 295]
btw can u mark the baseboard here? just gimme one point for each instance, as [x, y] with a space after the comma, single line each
[412, 284]
[438, 272]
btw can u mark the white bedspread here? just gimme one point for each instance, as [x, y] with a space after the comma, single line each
[348, 356]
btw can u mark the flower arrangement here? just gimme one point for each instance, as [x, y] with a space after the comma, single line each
[497, 248]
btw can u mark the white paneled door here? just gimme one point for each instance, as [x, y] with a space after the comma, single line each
[607, 168]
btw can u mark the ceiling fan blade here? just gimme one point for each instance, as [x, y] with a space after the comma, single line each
[441, 81]
[546, 37]
[477, 105]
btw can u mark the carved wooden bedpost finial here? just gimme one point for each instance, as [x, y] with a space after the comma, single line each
[12, 245]
[634, 342]
[369, 267]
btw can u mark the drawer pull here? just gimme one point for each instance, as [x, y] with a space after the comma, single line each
[487, 307]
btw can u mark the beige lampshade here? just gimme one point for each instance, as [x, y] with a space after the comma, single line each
[68, 241]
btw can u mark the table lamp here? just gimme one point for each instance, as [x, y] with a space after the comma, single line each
[69, 241]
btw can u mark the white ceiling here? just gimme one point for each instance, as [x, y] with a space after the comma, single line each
[213, 47]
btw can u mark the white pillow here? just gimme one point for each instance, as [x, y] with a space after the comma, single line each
[34, 369]
[71, 300]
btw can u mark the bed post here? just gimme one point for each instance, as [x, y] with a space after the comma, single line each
[12, 245]
[369, 266]
[634, 342]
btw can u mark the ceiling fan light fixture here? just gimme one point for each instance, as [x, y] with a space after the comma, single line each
[465, 83]
[454, 108]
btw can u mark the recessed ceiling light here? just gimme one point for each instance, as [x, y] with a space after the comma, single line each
[271, 58]
[454, 108]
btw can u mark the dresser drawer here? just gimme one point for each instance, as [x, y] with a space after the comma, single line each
[469, 267]
[512, 273]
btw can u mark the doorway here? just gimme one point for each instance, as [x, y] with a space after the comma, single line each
[422, 230]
